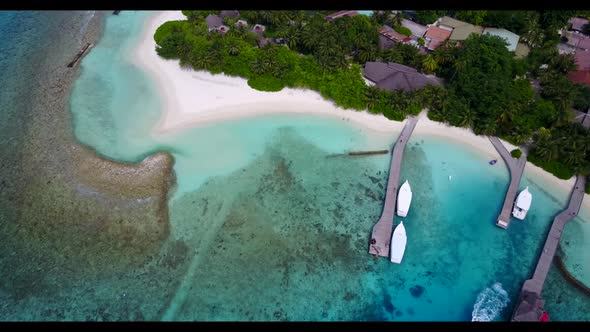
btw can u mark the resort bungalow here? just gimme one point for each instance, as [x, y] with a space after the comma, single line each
[388, 37]
[231, 13]
[214, 23]
[435, 36]
[341, 13]
[577, 24]
[461, 30]
[418, 30]
[582, 74]
[241, 24]
[393, 76]
[510, 37]
[259, 29]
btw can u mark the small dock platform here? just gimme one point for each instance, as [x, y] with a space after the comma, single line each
[381, 235]
[79, 55]
[530, 305]
[367, 153]
[516, 168]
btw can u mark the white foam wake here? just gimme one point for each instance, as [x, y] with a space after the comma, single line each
[490, 303]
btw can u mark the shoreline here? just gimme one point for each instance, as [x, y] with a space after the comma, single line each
[194, 98]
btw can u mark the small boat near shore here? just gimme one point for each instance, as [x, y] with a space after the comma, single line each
[398, 243]
[404, 198]
[493, 162]
[522, 204]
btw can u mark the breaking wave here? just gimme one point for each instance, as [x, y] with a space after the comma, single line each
[489, 303]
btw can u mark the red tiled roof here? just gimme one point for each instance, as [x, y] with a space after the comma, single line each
[582, 59]
[391, 34]
[580, 76]
[438, 33]
[437, 36]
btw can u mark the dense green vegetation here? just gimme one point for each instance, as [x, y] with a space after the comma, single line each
[321, 56]
[429, 16]
[484, 92]
[516, 153]
[404, 31]
[487, 89]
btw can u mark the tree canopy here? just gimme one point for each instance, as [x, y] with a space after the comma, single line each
[487, 89]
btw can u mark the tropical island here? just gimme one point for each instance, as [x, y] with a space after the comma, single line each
[135, 187]
[471, 73]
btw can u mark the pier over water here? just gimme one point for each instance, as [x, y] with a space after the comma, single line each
[530, 305]
[381, 236]
[516, 168]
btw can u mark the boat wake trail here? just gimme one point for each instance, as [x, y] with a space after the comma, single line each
[490, 303]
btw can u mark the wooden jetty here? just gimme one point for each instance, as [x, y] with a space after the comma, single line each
[530, 305]
[381, 235]
[516, 168]
[366, 153]
[79, 55]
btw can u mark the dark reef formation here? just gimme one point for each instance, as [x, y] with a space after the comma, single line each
[64, 211]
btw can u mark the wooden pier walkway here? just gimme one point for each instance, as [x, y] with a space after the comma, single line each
[530, 304]
[516, 168]
[381, 236]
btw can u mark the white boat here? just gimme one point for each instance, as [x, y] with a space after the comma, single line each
[522, 204]
[404, 198]
[398, 243]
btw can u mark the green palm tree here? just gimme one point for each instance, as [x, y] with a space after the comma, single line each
[547, 150]
[372, 96]
[367, 54]
[270, 49]
[466, 117]
[393, 55]
[258, 66]
[563, 63]
[429, 63]
[326, 47]
[487, 128]
[309, 37]
[265, 15]
[233, 48]
[204, 62]
[506, 115]
[533, 35]
[396, 20]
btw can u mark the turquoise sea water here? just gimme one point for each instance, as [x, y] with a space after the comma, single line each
[267, 224]
[365, 12]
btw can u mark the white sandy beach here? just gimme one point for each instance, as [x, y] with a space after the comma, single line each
[194, 98]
